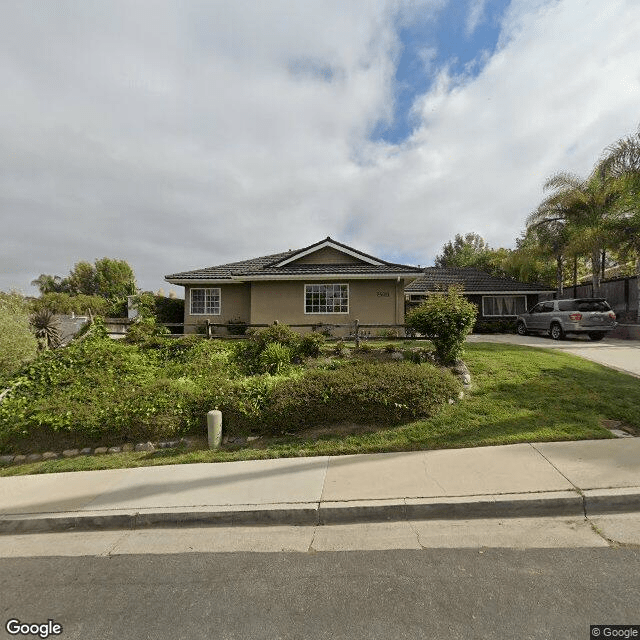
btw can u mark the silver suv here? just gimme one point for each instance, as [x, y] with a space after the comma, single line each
[559, 317]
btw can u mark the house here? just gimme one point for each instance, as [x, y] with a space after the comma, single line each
[324, 283]
[496, 298]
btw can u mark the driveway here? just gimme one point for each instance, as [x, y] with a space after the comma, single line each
[623, 355]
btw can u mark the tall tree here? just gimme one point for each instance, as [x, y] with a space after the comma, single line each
[114, 278]
[50, 284]
[588, 206]
[107, 278]
[621, 162]
[464, 251]
[82, 279]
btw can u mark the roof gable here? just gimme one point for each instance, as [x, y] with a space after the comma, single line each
[328, 251]
[327, 258]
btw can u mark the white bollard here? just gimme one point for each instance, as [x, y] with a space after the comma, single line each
[214, 428]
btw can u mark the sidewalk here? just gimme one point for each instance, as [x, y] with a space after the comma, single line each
[562, 478]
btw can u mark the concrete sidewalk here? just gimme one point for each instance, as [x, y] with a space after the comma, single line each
[562, 478]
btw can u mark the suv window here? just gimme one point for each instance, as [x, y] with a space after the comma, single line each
[592, 305]
[547, 306]
[537, 308]
[583, 305]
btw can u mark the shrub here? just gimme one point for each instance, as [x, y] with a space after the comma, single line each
[67, 304]
[163, 309]
[102, 391]
[247, 354]
[18, 345]
[495, 326]
[364, 347]
[310, 345]
[244, 402]
[46, 329]
[146, 332]
[275, 359]
[340, 348]
[447, 319]
[366, 393]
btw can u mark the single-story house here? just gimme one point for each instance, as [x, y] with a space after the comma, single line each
[324, 283]
[332, 283]
[496, 298]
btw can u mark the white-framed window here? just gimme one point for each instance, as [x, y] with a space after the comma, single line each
[326, 298]
[205, 302]
[503, 305]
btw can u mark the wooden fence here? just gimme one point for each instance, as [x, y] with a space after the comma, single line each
[357, 331]
[117, 327]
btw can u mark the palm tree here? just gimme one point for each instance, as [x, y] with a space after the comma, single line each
[49, 284]
[550, 225]
[586, 206]
[621, 162]
[46, 328]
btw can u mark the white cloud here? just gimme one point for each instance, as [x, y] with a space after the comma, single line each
[475, 15]
[182, 137]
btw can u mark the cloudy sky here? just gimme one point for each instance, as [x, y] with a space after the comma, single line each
[179, 135]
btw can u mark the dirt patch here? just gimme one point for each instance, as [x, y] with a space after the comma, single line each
[617, 424]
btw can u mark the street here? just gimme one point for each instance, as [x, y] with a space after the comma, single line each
[99, 590]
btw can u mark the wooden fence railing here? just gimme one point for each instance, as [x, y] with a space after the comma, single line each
[357, 331]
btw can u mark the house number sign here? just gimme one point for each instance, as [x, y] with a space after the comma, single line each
[383, 294]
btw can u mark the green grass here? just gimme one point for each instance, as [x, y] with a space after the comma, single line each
[519, 394]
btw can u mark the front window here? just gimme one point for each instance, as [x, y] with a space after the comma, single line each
[326, 298]
[205, 302]
[504, 305]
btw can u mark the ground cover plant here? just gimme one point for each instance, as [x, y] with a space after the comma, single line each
[519, 394]
[101, 392]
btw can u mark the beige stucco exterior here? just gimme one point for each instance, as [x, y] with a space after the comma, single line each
[235, 304]
[379, 301]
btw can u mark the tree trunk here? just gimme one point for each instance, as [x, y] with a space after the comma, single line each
[559, 277]
[604, 260]
[575, 276]
[595, 272]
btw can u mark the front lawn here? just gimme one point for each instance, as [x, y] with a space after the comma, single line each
[519, 394]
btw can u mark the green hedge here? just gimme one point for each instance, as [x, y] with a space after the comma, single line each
[365, 393]
[495, 326]
[100, 392]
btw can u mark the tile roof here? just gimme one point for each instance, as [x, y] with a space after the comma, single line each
[265, 266]
[472, 280]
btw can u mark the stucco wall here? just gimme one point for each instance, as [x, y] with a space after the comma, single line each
[370, 301]
[235, 303]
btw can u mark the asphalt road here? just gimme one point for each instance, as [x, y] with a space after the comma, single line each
[439, 594]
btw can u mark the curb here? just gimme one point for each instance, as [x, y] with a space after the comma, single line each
[557, 503]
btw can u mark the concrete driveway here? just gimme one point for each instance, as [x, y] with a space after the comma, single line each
[623, 355]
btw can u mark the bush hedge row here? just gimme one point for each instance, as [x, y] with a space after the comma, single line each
[382, 394]
[99, 392]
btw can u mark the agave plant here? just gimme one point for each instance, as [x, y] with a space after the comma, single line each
[46, 328]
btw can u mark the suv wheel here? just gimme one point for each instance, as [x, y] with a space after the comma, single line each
[556, 331]
[521, 328]
[597, 335]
